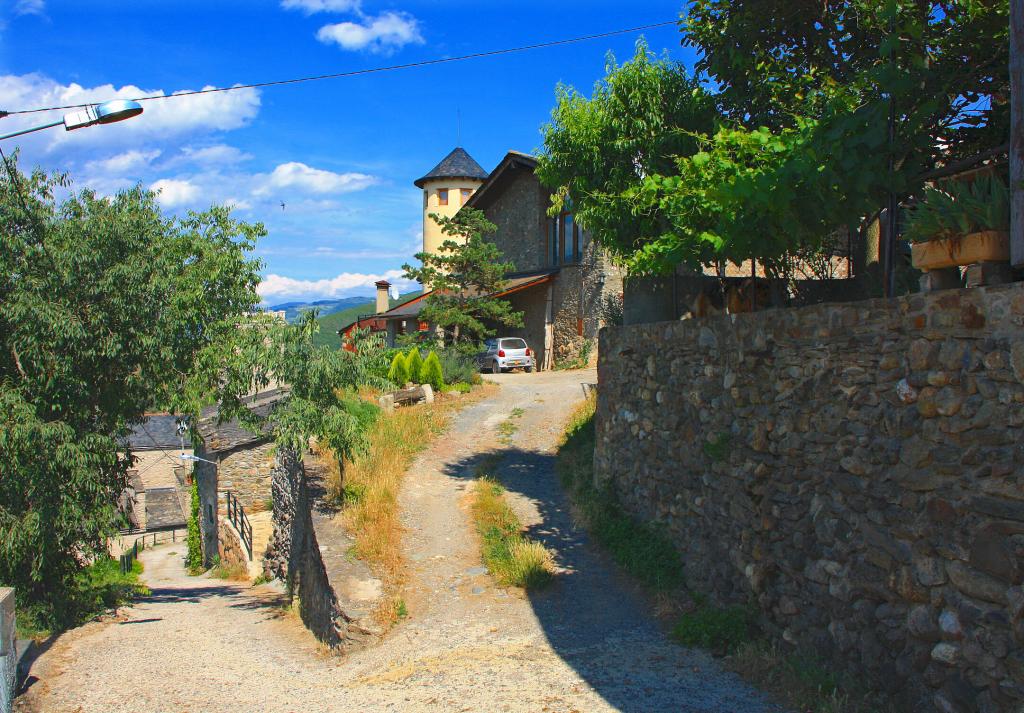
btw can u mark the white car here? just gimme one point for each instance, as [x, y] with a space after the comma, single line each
[506, 353]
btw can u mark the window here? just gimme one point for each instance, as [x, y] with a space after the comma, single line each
[466, 193]
[442, 196]
[568, 239]
[513, 344]
[426, 199]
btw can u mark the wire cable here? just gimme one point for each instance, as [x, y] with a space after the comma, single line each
[372, 70]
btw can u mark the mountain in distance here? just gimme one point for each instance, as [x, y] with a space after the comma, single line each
[292, 310]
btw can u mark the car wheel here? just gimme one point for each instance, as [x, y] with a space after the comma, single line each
[495, 367]
[529, 370]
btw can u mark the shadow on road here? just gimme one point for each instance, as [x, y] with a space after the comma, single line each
[596, 619]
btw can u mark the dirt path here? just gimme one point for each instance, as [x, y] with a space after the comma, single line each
[586, 644]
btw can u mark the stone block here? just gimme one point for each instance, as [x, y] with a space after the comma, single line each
[988, 273]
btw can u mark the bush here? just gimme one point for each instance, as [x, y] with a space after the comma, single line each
[398, 374]
[414, 364]
[720, 630]
[432, 373]
[458, 365]
[461, 386]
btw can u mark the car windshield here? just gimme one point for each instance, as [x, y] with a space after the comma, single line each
[513, 344]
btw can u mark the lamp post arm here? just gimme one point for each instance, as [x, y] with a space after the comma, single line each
[29, 131]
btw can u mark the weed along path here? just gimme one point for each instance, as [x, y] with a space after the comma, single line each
[585, 644]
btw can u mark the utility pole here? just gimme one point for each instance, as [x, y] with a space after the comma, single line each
[1017, 133]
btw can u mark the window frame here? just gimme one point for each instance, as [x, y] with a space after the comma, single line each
[442, 196]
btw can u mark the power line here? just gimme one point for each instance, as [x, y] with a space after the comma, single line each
[373, 70]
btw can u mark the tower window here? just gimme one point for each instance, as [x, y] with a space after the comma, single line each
[442, 196]
[426, 197]
[466, 193]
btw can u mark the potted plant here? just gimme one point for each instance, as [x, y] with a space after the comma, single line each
[961, 223]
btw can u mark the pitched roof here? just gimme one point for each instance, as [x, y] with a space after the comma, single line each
[457, 164]
[159, 432]
[226, 436]
[500, 178]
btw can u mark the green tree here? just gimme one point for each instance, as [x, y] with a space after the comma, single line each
[414, 363]
[432, 373]
[464, 275]
[398, 374]
[105, 308]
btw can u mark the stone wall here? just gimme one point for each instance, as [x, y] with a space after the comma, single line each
[855, 471]
[246, 471]
[580, 293]
[230, 548]
[293, 556]
[8, 649]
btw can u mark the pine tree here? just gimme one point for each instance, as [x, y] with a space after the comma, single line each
[414, 364]
[398, 374]
[432, 373]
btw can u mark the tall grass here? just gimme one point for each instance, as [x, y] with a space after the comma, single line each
[642, 549]
[367, 489]
[512, 559]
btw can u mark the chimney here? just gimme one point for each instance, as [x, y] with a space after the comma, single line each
[382, 296]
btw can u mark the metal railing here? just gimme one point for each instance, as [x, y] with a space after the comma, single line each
[236, 516]
[129, 557]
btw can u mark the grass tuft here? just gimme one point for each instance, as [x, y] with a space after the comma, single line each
[722, 630]
[806, 683]
[512, 559]
[235, 572]
[642, 549]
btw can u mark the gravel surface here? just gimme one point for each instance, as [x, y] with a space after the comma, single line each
[586, 644]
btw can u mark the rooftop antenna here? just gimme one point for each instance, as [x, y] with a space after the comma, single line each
[458, 124]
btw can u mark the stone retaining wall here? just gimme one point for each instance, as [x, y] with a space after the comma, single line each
[855, 471]
[293, 556]
[8, 649]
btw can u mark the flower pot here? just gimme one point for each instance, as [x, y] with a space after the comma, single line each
[986, 246]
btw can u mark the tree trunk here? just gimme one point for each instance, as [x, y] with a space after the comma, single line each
[1016, 132]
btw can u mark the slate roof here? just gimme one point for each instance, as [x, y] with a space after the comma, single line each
[219, 437]
[457, 164]
[158, 432]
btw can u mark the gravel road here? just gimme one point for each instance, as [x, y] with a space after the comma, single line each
[586, 644]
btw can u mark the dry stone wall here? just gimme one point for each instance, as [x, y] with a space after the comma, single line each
[293, 556]
[854, 471]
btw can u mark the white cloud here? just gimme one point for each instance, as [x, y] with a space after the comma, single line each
[312, 180]
[277, 287]
[219, 111]
[312, 6]
[220, 154]
[29, 7]
[383, 34]
[176, 192]
[123, 162]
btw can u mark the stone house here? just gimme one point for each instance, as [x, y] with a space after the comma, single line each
[157, 495]
[562, 282]
[240, 462]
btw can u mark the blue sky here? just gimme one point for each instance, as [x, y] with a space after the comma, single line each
[341, 154]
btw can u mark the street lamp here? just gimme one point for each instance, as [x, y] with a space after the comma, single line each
[105, 113]
[186, 456]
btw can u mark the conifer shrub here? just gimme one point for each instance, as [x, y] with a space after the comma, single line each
[414, 363]
[431, 372]
[398, 374]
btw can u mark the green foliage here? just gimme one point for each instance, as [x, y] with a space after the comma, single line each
[93, 590]
[431, 372]
[398, 374]
[370, 348]
[958, 208]
[414, 364]
[772, 65]
[464, 274]
[459, 365]
[717, 448]
[353, 493]
[642, 549]
[461, 386]
[194, 557]
[512, 559]
[106, 307]
[721, 630]
[794, 145]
